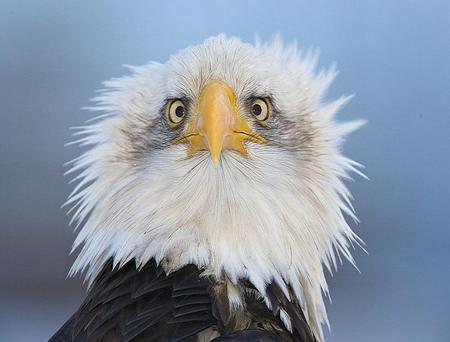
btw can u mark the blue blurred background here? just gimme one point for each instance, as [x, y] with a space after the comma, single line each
[394, 55]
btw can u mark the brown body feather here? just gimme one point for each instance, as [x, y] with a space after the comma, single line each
[127, 304]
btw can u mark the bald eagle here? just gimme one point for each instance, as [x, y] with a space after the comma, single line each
[211, 199]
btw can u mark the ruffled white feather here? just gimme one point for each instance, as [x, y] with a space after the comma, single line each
[276, 216]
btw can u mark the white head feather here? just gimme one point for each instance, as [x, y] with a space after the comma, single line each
[274, 216]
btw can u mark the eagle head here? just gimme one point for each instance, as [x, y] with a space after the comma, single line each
[225, 157]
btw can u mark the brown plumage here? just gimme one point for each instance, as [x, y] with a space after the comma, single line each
[127, 304]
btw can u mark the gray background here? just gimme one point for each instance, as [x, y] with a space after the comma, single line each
[394, 55]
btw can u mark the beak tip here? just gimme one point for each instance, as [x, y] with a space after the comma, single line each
[216, 160]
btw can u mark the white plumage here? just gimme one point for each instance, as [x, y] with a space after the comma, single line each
[277, 215]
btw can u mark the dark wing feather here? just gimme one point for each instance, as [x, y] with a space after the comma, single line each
[249, 335]
[130, 305]
[301, 330]
[127, 304]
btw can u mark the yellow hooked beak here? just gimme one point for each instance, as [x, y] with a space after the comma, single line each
[217, 124]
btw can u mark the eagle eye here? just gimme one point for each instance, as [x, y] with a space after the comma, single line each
[261, 110]
[176, 112]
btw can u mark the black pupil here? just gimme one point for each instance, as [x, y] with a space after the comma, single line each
[256, 109]
[179, 111]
